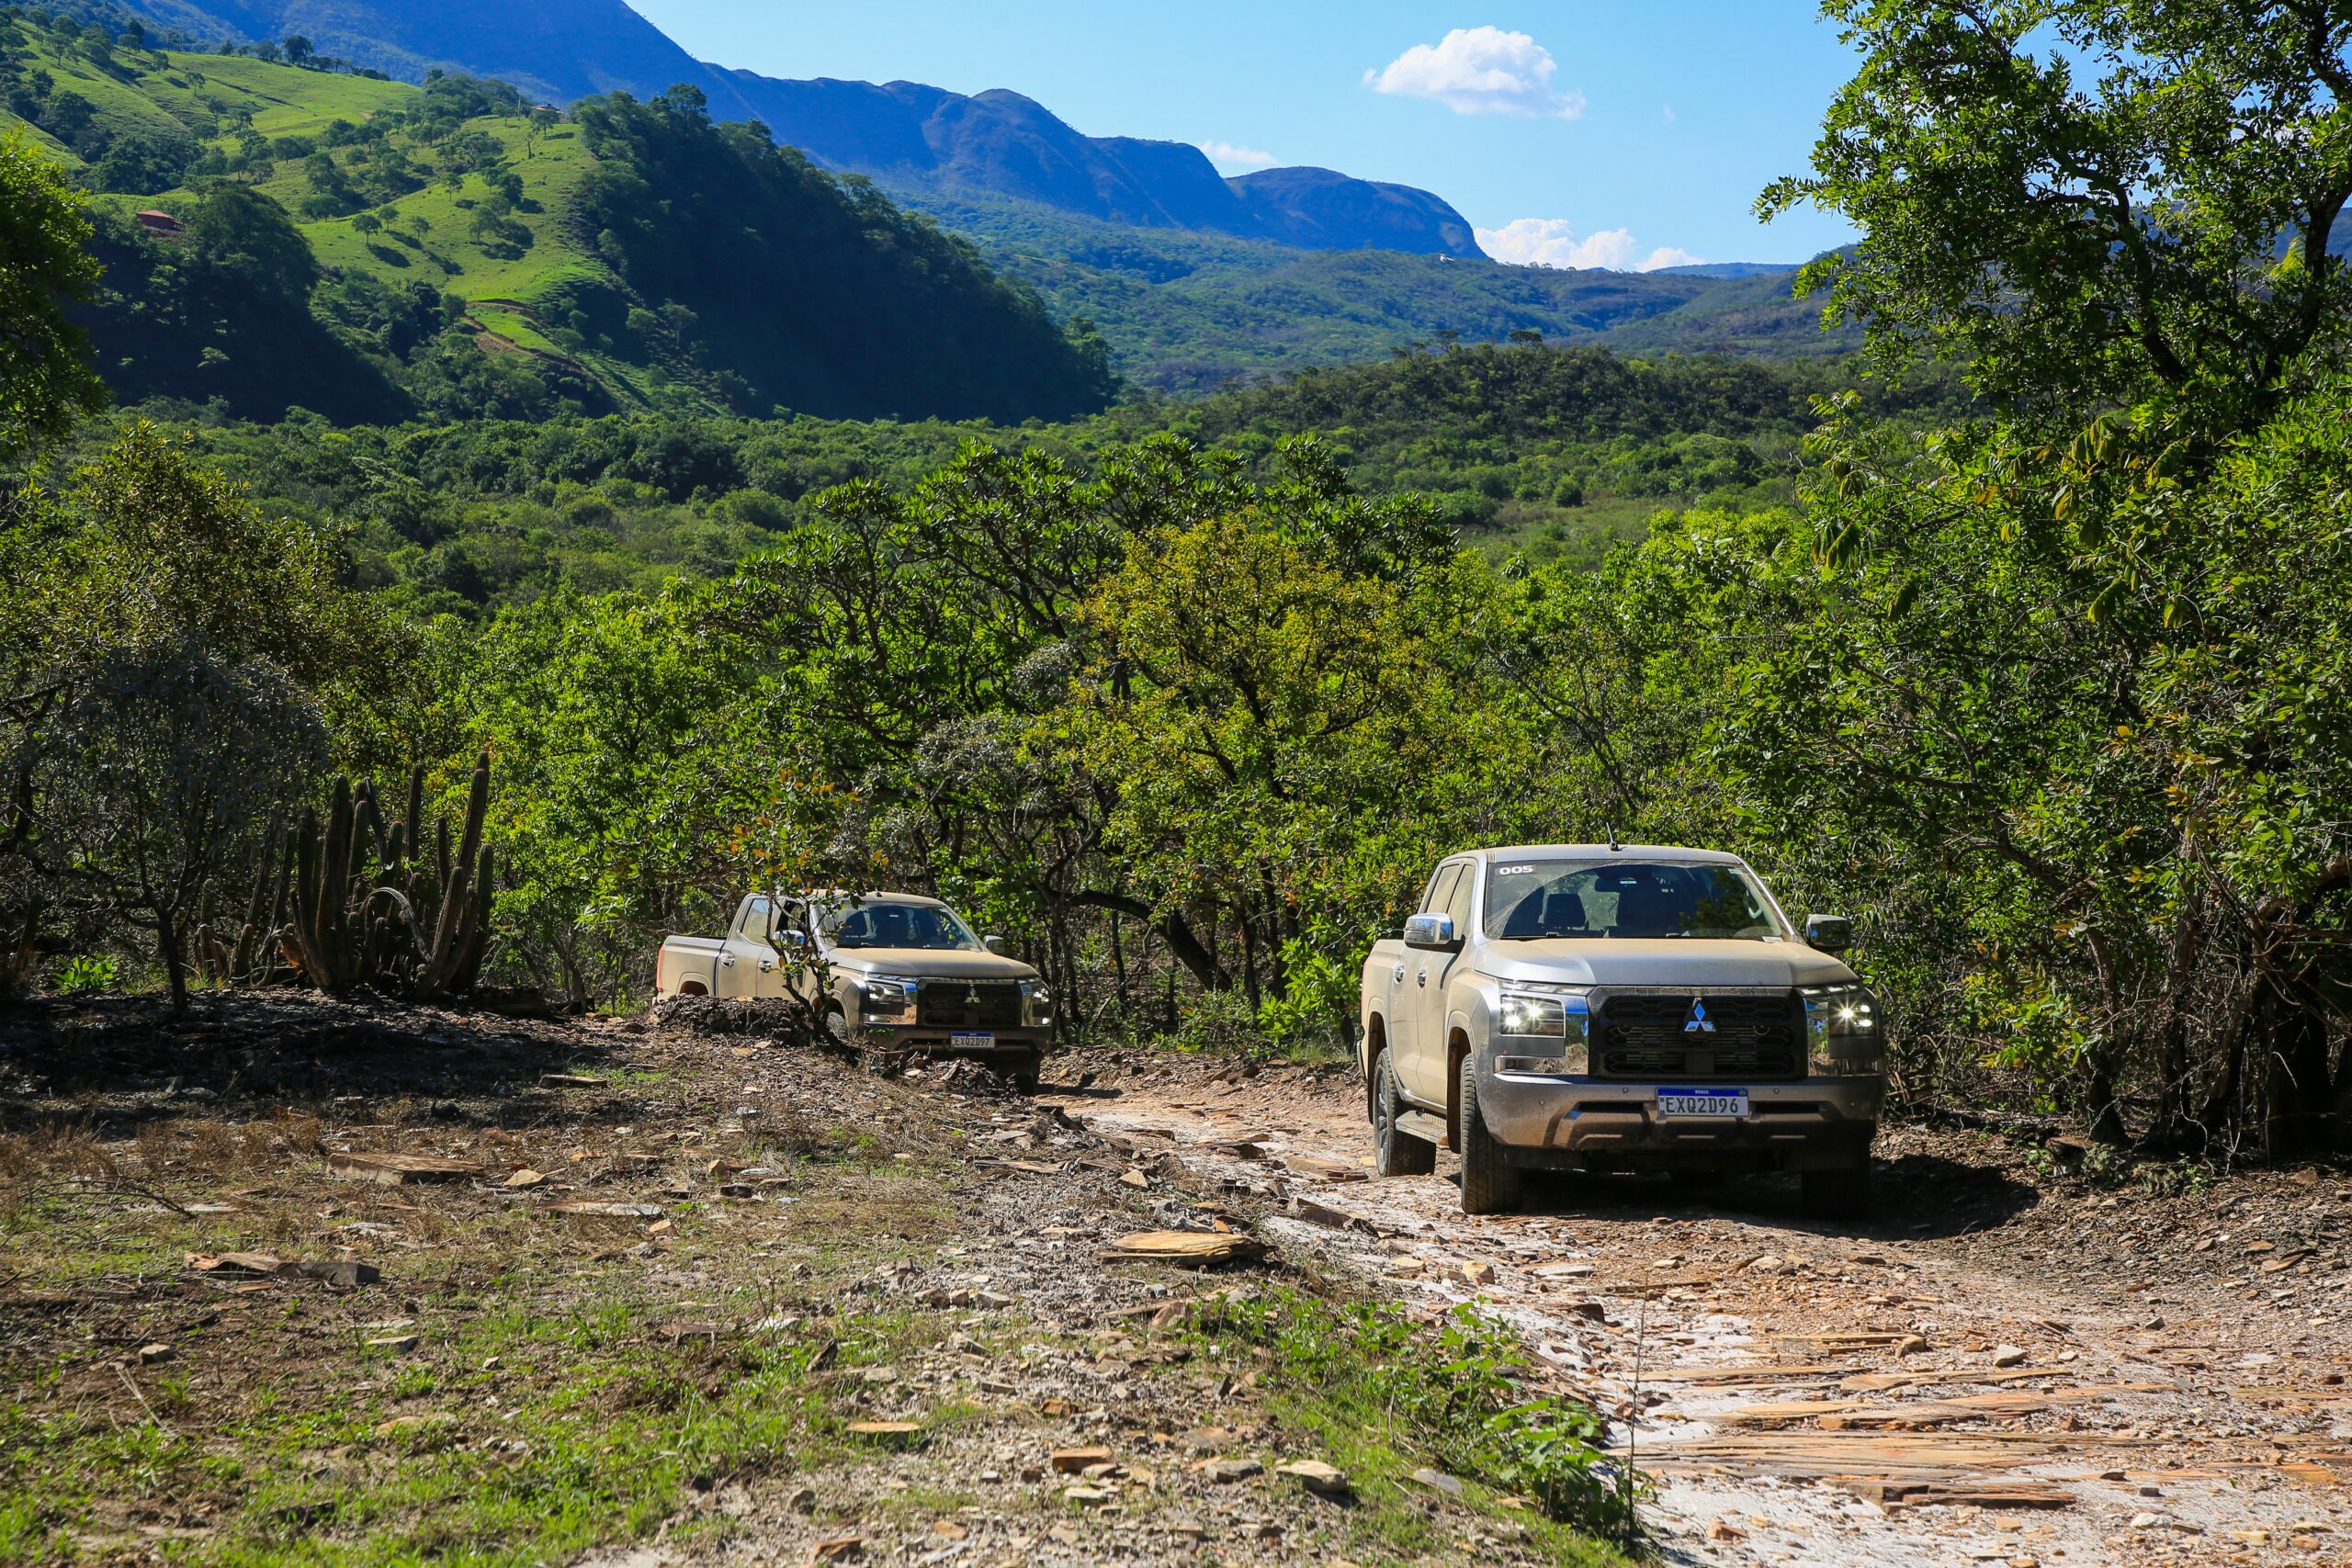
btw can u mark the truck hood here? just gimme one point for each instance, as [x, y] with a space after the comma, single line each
[1672, 961]
[927, 963]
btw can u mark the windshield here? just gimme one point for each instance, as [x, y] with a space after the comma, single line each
[1527, 901]
[885, 922]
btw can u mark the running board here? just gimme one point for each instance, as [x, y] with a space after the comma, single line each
[1423, 1125]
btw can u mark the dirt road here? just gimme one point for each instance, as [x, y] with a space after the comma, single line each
[1994, 1370]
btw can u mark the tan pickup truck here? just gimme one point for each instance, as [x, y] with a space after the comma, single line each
[1605, 1008]
[894, 970]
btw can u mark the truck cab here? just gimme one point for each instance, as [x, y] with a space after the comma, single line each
[1638, 1007]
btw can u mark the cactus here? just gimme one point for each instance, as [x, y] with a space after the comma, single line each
[369, 911]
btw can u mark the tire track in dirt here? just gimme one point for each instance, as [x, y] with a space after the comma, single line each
[1799, 1389]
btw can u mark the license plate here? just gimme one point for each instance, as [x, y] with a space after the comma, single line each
[970, 1041]
[1702, 1102]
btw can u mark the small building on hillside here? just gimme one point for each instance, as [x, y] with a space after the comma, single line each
[157, 222]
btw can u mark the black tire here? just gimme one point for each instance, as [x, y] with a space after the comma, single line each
[1843, 1195]
[1393, 1151]
[1489, 1184]
[1024, 1072]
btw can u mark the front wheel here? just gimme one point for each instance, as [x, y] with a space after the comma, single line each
[1395, 1151]
[1024, 1072]
[1489, 1183]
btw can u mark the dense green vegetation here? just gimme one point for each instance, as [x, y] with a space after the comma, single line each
[2040, 670]
[1553, 454]
[370, 250]
[1188, 312]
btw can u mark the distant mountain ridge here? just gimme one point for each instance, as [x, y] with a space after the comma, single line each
[917, 139]
[557, 49]
[999, 144]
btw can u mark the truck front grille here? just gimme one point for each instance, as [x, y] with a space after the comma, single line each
[961, 1004]
[1646, 1036]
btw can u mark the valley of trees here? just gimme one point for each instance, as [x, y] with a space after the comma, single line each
[2031, 652]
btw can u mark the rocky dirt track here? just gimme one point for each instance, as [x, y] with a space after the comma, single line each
[2007, 1365]
[684, 1295]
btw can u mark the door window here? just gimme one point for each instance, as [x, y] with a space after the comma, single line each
[756, 916]
[1443, 886]
[1457, 903]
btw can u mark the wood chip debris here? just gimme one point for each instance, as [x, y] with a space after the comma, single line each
[1956, 1493]
[1200, 1248]
[1732, 1377]
[340, 1274]
[607, 1211]
[401, 1170]
[1322, 1479]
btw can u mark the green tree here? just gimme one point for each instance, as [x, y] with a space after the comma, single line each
[169, 771]
[2084, 200]
[46, 381]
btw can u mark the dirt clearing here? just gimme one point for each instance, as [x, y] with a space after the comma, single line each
[307, 1283]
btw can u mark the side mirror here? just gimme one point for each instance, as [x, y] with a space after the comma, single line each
[994, 944]
[1830, 933]
[791, 939]
[1431, 931]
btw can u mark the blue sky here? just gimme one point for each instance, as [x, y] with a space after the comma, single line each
[1645, 141]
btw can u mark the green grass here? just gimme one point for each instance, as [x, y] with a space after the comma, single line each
[1380, 1398]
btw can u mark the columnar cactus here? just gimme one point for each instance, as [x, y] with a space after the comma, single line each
[370, 909]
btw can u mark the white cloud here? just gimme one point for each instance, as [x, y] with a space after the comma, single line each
[1669, 111]
[1552, 242]
[1480, 71]
[1232, 155]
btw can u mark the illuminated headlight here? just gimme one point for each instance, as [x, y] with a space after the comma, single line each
[887, 1001]
[1842, 1029]
[1037, 1004]
[1549, 1023]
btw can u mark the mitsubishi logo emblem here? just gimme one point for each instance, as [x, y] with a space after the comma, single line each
[972, 997]
[1698, 1022]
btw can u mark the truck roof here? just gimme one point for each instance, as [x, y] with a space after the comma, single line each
[1608, 852]
[870, 895]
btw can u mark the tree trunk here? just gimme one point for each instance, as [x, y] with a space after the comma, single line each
[168, 943]
[2299, 1095]
[1174, 930]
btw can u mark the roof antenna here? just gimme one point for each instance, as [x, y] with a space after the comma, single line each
[1612, 838]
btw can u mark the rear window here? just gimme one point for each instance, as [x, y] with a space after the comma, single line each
[1536, 901]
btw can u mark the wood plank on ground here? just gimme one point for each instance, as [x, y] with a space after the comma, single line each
[400, 1171]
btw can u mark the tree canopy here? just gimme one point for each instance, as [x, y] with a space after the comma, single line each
[2084, 200]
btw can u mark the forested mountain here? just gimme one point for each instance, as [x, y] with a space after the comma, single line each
[1193, 280]
[1000, 145]
[368, 250]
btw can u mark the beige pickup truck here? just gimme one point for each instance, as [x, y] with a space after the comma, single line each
[1619, 1008]
[893, 970]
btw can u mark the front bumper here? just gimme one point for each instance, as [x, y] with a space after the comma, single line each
[1559, 1120]
[1024, 1042]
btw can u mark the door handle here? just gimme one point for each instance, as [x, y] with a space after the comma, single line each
[1422, 979]
[1400, 973]
[766, 964]
[727, 959]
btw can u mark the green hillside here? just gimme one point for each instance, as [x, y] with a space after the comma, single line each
[468, 253]
[1189, 312]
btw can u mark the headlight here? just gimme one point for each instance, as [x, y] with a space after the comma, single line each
[887, 1001]
[1551, 1022]
[1037, 1004]
[1842, 1029]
